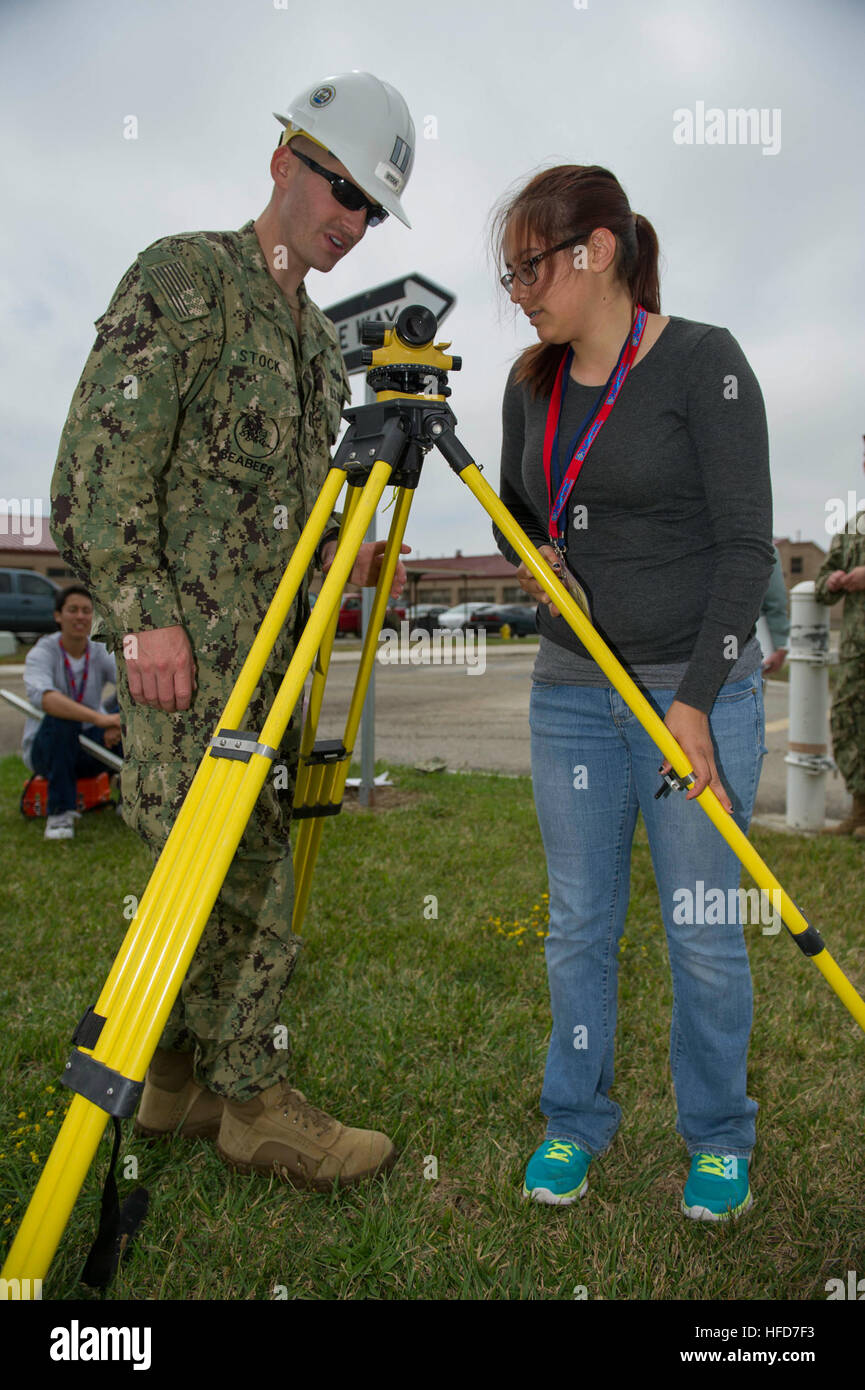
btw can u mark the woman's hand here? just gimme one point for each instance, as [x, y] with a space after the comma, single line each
[112, 733]
[530, 585]
[690, 729]
[368, 564]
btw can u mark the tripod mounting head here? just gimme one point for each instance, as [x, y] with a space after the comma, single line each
[404, 361]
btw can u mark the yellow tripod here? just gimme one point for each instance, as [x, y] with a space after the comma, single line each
[386, 442]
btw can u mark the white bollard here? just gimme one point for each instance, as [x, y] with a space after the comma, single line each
[808, 758]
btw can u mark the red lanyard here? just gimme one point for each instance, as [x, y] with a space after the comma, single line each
[70, 679]
[629, 351]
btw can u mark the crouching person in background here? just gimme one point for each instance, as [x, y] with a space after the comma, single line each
[64, 675]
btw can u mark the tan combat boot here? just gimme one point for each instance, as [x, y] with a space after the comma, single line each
[279, 1131]
[173, 1102]
[853, 823]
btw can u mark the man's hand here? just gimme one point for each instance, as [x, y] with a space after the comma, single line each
[775, 661]
[367, 566]
[160, 668]
[530, 585]
[690, 729]
[854, 580]
[836, 580]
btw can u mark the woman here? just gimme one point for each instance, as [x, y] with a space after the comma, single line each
[665, 520]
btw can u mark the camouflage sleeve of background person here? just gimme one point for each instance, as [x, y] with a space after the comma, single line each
[157, 341]
[834, 561]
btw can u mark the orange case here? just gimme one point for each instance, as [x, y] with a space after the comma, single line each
[91, 791]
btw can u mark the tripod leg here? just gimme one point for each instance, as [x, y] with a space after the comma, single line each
[141, 988]
[324, 793]
[807, 937]
[311, 769]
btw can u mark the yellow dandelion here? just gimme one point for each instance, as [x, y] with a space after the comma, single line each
[22, 1115]
[48, 1114]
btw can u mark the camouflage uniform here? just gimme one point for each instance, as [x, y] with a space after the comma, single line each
[846, 552]
[195, 446]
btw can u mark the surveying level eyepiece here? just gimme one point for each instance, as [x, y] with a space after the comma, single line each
[372, 333]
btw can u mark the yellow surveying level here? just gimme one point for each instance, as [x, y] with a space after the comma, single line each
[386, 442]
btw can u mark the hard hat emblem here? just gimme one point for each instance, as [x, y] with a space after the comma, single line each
[321, 96]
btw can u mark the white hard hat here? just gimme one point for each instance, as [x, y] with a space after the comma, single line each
[366, 125]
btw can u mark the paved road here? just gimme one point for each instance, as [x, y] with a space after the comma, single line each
[473, 722]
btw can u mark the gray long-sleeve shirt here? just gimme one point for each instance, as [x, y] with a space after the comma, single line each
[669, 524]
[775, 607]
[44, 670]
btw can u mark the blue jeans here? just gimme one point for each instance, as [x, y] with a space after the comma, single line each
[56, 755]
[593, 768]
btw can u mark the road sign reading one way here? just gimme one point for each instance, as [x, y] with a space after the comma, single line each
[384, 302]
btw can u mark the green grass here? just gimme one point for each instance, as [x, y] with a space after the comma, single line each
[435, 1030]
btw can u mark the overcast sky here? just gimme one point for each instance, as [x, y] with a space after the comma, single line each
[767, 244]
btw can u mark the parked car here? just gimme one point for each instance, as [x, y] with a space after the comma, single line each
[27, 602]
[425, 615]
[350, 614]
[519, 617]
[460, 615]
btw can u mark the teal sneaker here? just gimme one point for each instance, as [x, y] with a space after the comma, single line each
[556, 1173]
[717, 1188]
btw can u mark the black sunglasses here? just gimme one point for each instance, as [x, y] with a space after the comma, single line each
[346, 193]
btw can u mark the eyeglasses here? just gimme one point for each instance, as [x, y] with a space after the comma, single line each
[346, 193]
[527, 273]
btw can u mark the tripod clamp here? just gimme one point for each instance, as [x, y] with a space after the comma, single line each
[673, 783]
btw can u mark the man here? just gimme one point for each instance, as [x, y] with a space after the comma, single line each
[65, 675]
[202, 421]
[842, 573]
